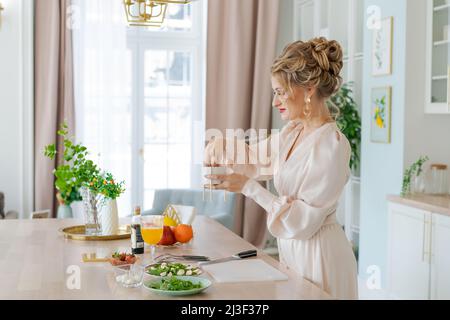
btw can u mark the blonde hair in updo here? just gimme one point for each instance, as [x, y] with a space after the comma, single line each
[315, 63]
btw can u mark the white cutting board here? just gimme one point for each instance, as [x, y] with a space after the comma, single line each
[244, 271]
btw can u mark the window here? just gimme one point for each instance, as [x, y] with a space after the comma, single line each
[139, 95]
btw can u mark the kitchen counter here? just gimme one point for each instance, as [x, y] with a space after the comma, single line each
[36, 262]
[432, 203]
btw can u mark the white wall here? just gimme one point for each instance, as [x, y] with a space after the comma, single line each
[424, 134]
[381, 164]
[16, 105]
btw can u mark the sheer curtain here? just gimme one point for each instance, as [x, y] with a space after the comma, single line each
[242, 37]
[53, 78]
[103, 88]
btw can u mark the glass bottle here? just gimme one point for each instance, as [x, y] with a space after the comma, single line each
[137, 242]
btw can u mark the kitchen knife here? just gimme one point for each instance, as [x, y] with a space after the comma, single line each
[239, 256]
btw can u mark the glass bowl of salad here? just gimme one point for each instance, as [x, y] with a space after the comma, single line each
[169, 269]
[178, 285]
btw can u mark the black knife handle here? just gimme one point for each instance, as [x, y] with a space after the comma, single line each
[247, 254]
[196, 259]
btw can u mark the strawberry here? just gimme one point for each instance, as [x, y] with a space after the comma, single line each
[130, 259]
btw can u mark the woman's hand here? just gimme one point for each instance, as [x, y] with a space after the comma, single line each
[232, 182]
[215, 153]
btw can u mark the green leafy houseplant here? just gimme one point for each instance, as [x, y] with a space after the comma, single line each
[349, 121]
[67, 174]
[105, 185]
[76, 172]
[414, 170]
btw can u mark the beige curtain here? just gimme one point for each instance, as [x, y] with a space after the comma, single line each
[241, 48]
[54, 100]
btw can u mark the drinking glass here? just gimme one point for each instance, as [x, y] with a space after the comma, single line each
[208, 183]
[152, 230]
[129, 276]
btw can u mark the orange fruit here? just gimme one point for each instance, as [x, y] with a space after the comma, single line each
[183, 233]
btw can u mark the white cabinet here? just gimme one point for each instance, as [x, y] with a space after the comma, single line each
[438, 61]
[418, 255]
[408, 268]
[440, 257]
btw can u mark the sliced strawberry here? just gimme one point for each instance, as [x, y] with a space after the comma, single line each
[130, 259]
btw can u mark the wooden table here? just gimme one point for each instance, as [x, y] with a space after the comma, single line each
[36, 262]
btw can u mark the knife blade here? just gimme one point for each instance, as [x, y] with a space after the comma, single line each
[238, 256]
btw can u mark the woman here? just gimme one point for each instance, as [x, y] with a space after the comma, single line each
[311, 168]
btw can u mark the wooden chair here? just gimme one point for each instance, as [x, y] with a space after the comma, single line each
[217, 209]
[9, 214]
[44, 214]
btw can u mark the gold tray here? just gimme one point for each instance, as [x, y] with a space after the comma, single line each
[78, 233]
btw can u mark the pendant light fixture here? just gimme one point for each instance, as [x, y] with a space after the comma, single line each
[148, 13]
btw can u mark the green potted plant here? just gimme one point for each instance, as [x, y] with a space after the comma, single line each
[349, 121]
[78, 178]
[67, 180]
[413, 175]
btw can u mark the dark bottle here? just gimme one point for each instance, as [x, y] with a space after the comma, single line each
[137, 243]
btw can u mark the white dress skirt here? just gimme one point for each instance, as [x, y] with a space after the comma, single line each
[303, 216]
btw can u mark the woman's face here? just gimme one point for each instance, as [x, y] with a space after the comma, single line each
[290, 107]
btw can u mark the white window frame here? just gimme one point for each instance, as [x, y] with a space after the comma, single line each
[194, 41]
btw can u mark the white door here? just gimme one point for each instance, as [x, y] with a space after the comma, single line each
[408, 266]
[440, 257]
[168, 108]
[167, 120]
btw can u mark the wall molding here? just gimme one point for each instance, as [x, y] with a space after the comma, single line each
[26, 90]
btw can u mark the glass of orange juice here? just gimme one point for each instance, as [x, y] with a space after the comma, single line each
[152, 231]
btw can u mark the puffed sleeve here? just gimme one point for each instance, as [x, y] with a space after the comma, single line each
[317, 198]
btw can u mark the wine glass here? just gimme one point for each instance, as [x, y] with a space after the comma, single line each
[152, 230]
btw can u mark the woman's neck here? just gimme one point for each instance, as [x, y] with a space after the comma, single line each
[314, 123]
[319, 118]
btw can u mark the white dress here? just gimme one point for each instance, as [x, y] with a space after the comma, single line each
[303, 217]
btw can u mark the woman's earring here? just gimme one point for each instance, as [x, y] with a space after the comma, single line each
[307, 109]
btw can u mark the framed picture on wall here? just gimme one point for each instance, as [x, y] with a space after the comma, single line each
[382, 48]
[380, 123]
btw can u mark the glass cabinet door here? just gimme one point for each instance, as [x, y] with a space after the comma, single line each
[440, 60]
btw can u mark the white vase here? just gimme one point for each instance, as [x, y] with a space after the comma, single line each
[109, 218]
[64, 212]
